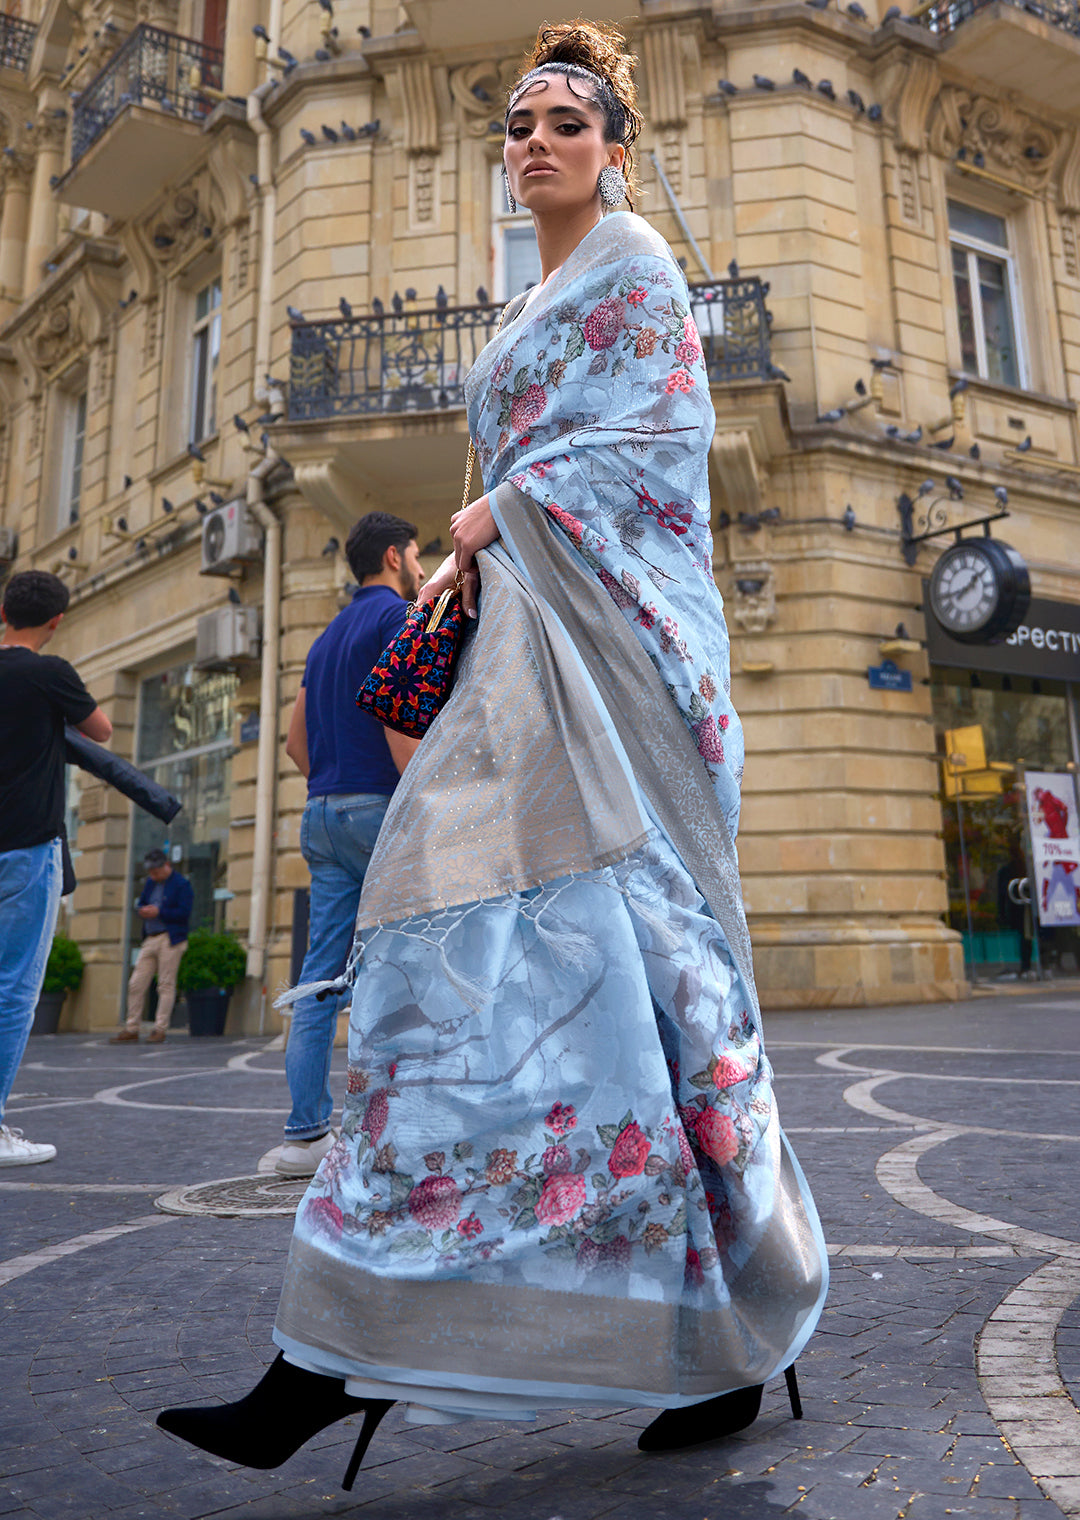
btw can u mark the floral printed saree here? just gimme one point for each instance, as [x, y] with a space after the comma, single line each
[561, 1176]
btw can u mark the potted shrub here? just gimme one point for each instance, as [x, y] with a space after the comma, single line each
[63, 973]
[212, 966]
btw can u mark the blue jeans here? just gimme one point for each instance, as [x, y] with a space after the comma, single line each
[337, 836]
[29, 902]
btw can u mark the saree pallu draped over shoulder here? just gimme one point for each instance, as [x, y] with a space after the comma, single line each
[561, 1174]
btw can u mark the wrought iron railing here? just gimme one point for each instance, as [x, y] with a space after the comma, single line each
[152, 67]
[734, 327]
[16, 40]
[943, 16]
[410, 360]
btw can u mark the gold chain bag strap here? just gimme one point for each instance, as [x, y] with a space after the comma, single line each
[413, 676]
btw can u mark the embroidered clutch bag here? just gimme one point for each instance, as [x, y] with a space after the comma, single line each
[412, 680]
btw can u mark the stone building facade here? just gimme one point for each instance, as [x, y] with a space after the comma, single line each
[191, 188]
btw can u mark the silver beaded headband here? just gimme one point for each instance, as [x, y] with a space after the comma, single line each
[556, 68]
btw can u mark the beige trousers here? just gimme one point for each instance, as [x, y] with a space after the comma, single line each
[159, 958]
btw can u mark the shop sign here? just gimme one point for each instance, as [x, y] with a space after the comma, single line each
[888, 677]
[1055, 847]
[249, 728]
[1046, 645]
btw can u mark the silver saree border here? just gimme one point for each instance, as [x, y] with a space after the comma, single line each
[658, 745]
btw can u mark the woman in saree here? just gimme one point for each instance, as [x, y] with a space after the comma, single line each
[561, 1176]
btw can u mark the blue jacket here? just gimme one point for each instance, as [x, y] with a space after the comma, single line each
[175, 910]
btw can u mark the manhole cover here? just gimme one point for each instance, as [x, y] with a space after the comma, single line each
[236, 1197]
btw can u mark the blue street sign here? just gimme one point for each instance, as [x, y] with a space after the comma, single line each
[888, 677]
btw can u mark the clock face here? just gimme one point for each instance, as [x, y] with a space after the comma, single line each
[980, 590]
[965, 589]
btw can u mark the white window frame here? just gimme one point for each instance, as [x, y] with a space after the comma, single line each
[501, 221]
[204, 397]
[75, 407]
[974, 248]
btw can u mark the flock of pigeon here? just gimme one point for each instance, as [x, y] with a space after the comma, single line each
[896, 434]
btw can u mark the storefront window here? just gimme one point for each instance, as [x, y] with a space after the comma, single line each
[991, 729]
[185, 743]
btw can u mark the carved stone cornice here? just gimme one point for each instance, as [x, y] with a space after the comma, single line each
[15, 168]
[188, 220]
[1069, 180]
[751, 596]
[737, 468]
[419, 108]
[1007, 138]
[57, 335]
[912, 102]
[71, 312]
[480, 90]
[662, 48]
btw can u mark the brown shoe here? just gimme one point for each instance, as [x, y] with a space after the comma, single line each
[124, 1037]
[156, 1037]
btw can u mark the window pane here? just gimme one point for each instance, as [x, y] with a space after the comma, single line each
[78, 442]
[969, 354]
[522, 258]
[973, 223]
[184, 708]
[198, 386]
[210, 409]
[997, 323]
[202, 304]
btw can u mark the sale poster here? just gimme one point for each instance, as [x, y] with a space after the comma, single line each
[1055, 847]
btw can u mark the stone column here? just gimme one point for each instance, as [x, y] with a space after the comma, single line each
[240, 72]
[15, 177]
[49, 134]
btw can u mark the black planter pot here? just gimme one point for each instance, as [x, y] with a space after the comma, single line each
[47, 1013]
[207, 1010]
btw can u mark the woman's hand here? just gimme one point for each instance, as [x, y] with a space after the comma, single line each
[472, 529]
[444, 576]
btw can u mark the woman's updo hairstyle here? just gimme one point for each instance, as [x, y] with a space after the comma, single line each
[595, 58]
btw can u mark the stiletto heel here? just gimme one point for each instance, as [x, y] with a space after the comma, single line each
[713, 1419]
[373, 1413]
[707, 1421]
[793, 1392]
[284, 1410]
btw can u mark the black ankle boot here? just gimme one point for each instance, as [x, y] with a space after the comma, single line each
[712, 1419]
[285, 1408]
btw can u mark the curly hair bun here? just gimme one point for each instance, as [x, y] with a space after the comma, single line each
[601, 50]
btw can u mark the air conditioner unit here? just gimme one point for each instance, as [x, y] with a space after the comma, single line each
[226, 637]
[9, 545]
[229, 538]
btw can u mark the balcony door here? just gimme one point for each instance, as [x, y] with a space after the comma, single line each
[213, 27]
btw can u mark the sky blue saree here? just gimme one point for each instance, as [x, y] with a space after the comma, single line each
[561, 1175]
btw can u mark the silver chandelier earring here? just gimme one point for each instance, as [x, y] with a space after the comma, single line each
[612, 186]
[511, 203]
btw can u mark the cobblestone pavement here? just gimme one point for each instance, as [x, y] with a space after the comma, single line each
[941, 1143]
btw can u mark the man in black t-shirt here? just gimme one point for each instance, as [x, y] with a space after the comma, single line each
[39, 693]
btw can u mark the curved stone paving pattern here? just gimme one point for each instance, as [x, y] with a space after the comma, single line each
[1067, 1349]
[951, 1208]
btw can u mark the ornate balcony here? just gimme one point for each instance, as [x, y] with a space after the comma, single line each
[416, 361]
[1032, 46]
[137, 124]
[16, 40]
[942, 16]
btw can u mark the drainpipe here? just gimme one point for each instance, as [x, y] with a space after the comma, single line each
[269, 692]
[267, 219]
[266, 773]
[684, 227]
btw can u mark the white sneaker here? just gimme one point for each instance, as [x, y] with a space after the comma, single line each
[15, 1151]
[300, 1158]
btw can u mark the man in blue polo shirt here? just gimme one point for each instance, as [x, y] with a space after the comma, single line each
[352, 764]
